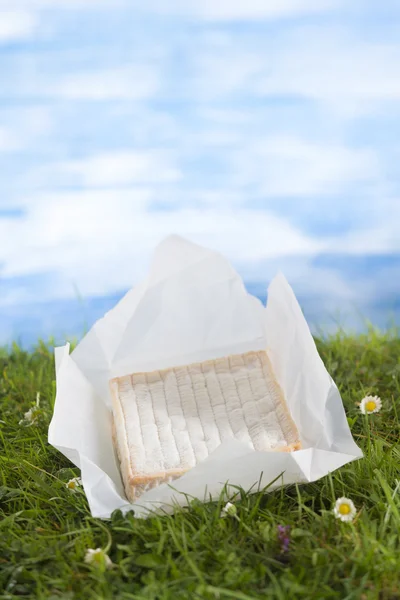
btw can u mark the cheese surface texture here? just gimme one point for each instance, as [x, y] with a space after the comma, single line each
[165, 422]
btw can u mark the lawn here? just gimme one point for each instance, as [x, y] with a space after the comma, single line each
[46, 528]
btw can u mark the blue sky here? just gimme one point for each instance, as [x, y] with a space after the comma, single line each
[266, 130]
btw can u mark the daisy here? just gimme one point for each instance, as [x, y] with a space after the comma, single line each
[370, 404]
[98, 557]
[31, 416]
[228, 510]
[74, 483]
[344, 509]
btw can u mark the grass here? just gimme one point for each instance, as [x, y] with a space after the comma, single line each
[45, 529]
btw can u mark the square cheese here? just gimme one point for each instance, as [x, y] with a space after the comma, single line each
[166, 422]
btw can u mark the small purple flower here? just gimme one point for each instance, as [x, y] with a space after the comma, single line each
[284, 537]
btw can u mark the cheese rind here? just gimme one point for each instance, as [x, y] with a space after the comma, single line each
[166, 422]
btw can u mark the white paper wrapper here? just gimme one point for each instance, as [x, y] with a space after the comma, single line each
[192, 307]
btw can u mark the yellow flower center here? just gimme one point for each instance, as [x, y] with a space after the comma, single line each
[344, 509]
[71, 485]
[370, 405]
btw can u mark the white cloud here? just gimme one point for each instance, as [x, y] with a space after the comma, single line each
[334, 67]
[16, 24]
[232, 10]
[79, 4]
[60, 75]
[240, 10]
[329, 65]
[131, 82]
[108, 169]
[307, 278]
[102, 240]
[222, 10]
[381, 236]
[290, 166]
[64, 4]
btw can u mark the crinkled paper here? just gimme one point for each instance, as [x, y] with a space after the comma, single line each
[192, 307]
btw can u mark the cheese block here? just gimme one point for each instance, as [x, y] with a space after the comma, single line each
[166, 422]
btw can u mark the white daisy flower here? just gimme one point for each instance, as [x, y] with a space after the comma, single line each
[30, 417]
[228, 510]
[370, 404]
[32, 414]
[73, 484]
[98, 557]
[344, 509]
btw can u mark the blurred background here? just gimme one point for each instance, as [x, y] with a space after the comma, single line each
[265, 129]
